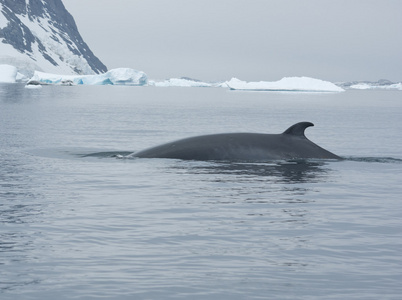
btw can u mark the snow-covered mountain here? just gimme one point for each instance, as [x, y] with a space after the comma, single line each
[42, 35]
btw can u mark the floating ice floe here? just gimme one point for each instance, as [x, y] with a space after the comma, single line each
[294, 84]
[120, 76]
[180, 82]
[33, 87]
[368, 86]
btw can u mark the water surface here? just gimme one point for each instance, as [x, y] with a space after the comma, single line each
[77, 221]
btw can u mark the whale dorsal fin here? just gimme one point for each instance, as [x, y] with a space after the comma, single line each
[298, 129]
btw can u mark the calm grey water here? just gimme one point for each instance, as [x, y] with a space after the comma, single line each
[74, 226]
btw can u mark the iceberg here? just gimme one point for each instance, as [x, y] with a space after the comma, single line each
[382, 84]
[119, 76]
[291, 84]
[8, 74]
[180, 82]
[368, 86]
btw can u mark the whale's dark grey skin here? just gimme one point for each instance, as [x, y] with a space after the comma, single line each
[291, 144]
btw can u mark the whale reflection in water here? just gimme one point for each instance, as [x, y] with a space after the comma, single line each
[297, 171]
[285, 171]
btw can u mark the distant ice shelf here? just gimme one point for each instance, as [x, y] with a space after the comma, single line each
[291, 84]
[120, 76]
[382, 84]
[367, 86]
[127, 76]
[180, 82]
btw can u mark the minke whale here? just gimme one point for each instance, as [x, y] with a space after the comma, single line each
[291, 144]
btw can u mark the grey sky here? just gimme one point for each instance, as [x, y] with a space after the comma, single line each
[253, 40]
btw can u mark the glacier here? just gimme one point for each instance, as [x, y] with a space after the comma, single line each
[8, 74]
[291, 84]
[119, 76]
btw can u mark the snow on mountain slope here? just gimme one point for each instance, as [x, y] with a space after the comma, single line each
[42, 35]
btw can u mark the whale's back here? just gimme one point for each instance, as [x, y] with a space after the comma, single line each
[292, 144]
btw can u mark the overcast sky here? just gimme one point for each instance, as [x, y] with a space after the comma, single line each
[253, 40]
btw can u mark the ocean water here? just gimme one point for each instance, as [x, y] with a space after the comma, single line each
[80, 220]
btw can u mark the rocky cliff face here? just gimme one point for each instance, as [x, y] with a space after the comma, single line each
[42, 35]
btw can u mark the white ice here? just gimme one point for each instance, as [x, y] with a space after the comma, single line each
[367, 86]
[120, 76]
[8, 73]
[180, 82]
[302, 84]
[33, 87]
